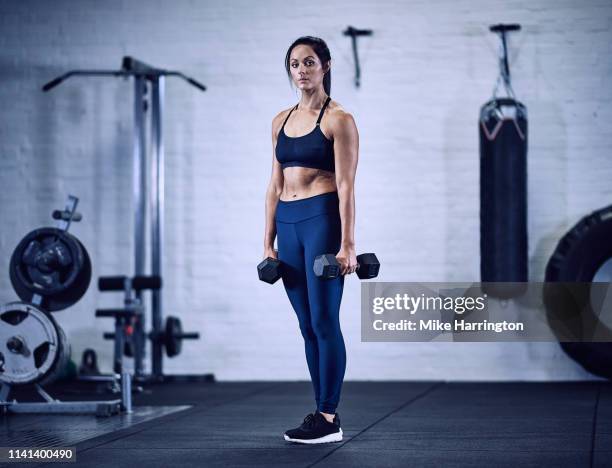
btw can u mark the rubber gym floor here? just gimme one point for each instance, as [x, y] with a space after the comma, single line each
[567, 424]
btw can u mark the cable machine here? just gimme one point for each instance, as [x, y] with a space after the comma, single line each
[148, 197]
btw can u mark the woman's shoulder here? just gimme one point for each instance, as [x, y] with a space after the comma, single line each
[278, 120]
[282, 114]
[339, 116]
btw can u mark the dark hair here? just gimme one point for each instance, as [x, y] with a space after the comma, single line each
[322, 51]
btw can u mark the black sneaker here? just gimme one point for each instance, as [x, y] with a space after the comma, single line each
[316, 430]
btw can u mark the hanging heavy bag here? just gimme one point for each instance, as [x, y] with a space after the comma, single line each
[503, 187]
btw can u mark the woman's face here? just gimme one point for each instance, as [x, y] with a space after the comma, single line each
[307, 70]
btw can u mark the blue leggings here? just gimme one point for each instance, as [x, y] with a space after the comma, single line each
[305, 229]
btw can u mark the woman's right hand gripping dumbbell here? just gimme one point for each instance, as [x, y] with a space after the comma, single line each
[269, 269]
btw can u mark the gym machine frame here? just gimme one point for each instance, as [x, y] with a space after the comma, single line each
[152, 199]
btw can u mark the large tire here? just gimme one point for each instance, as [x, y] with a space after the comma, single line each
[578, 256]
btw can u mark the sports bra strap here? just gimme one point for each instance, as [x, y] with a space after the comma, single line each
[320, 113]
[323, 109]
[287, 118]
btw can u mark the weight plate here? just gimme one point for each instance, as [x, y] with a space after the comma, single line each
[32, 346]
[173, 336]
[74, 293]
[59, 367]
[63, 299]
[47, 261]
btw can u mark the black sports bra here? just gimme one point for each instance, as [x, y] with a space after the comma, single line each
[313, 150]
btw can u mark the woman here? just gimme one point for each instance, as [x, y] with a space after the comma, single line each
[310, 206]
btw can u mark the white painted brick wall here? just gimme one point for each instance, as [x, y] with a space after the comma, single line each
[425, 72]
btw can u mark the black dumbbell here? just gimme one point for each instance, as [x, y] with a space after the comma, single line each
[327, 267]
[269, 270]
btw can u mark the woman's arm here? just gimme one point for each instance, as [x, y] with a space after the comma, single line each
[275, 187]
[346, 149]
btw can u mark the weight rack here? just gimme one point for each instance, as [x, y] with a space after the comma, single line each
[19, 344]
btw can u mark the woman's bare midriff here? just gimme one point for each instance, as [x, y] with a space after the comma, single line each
[305, 182]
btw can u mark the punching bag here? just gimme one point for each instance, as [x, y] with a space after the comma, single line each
[503, 191]
[503, 187]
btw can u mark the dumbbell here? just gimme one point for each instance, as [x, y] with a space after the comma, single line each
[269, 270]
[327, 267]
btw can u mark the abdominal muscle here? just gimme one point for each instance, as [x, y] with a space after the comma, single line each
[304, 182]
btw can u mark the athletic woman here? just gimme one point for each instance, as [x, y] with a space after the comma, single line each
[310, 207]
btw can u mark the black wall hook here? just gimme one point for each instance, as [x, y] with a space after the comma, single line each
[353, 33]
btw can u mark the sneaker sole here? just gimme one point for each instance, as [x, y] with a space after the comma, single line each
[335, 437]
